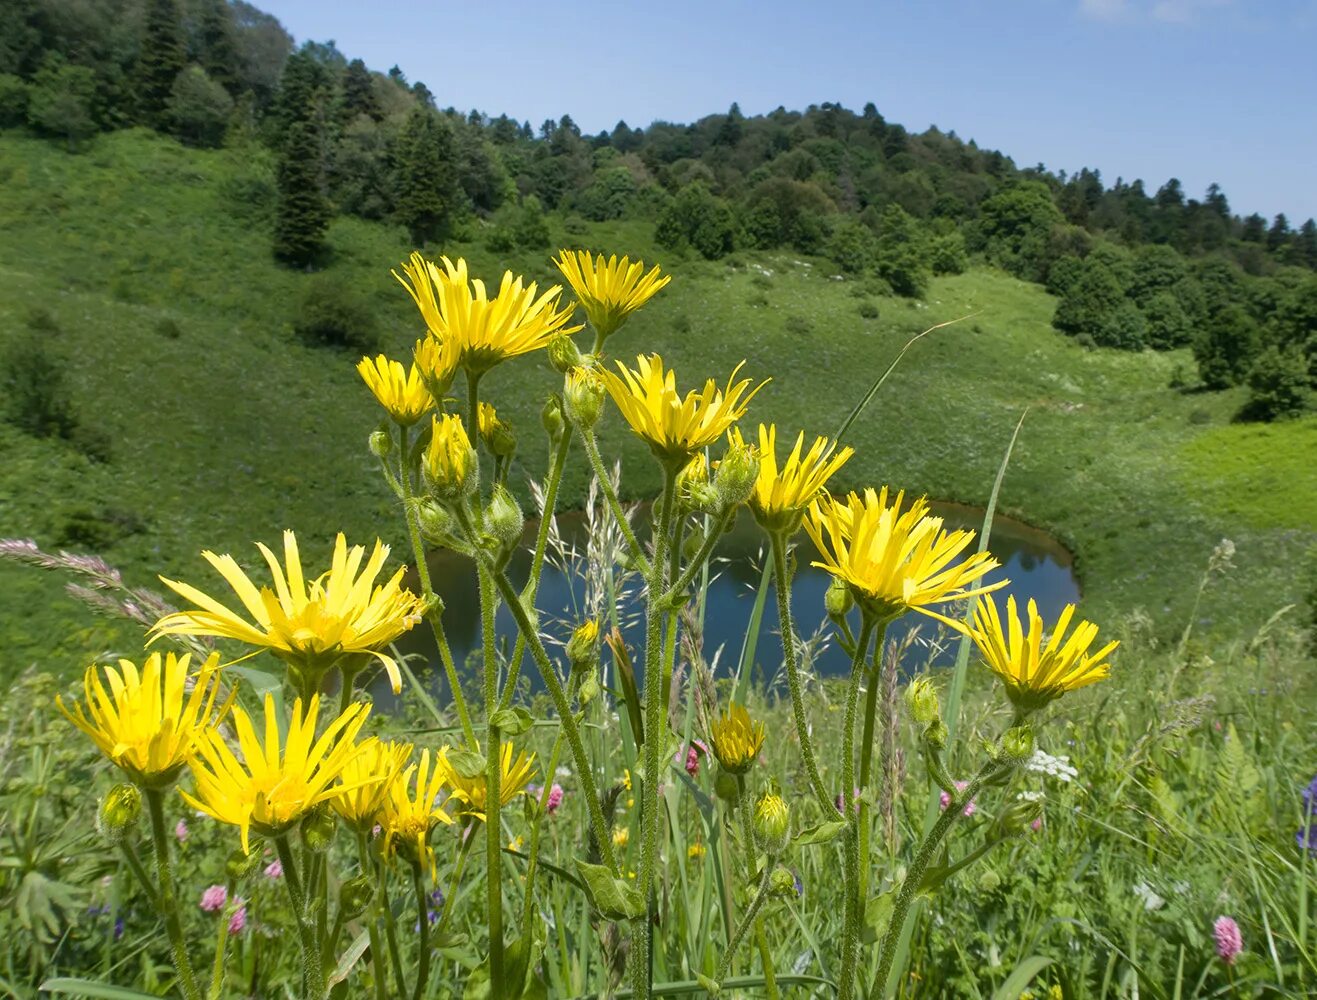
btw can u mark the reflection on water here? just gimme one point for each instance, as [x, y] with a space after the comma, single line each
[1037, 566]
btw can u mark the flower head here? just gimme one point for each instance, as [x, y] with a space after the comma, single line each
[782, 493]
[274, 870]
[772, 821]
[436, 362]
[273, 786]
[214, 898]
[1229, 942]
[367, 778]
[410, 812]
[611, 290]
[676, 427]
[449, 462]
[495, 432]
[554, 800]
[895, 561]
[736, 739]
[514, 777]
[482, 331]
[238, 921]
[312, 624]
[147, 723]
[1035, 672]
[944, 800]
[401, 391]
[181, 833]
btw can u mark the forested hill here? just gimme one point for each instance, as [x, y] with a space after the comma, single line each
[1133, 268]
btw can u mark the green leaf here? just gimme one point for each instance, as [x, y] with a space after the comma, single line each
[512, 721]
[709, 984]
[820, 834]
[477, 984]
[611, 896]
[877, 914]
[467, 763]
[1021, 976]
[91, 988]
[349, 958]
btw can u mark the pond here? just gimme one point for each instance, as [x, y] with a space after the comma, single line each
[1035, 563]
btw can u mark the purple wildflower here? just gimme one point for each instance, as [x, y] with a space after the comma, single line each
[214, 898]
[238, 921]
[274, 869]
[1229, 942]
[1306, 836]
[554, 800]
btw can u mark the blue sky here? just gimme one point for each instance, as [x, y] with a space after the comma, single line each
[1203, 90]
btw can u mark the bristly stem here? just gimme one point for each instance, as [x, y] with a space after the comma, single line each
[167, 899]
[716, 530]
[423, 916]
[373, 922]
[493, 776]
[313, 965]
[850, 935]
[866, 754]
[749, 918]
[614, 505]
[790, 656]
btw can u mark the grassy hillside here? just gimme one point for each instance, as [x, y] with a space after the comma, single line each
[153, 263]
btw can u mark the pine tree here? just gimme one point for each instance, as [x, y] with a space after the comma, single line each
[161, 60]
[303, 87]
[359, 92]
[303, 211]
[1279, 233]
[425, 179]
[218, 49]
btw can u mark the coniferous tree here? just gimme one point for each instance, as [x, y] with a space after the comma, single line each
[1279, 233]
[218, 50]
[425, 180]
[303, 212]
[161, 59]
[359, 96]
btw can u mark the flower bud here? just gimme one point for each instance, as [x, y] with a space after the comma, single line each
[725, 787]
[583, 397]
[589, 690]
[119, 812]
[354, 896]
[838, 600]
[936, 735]
[782, 884]
[1016, 819]
[564, 355]
[381, 444]
[436, 523]
[694, 492]
[239, 864]
[921, 699]
[989, 881]
[318, 830]
[583, 647]
[496, 433]
[552, 420]
[772, 822]
[737, 472]
[1017, 745]
[436, 365]
[449, 464]
[503, 517]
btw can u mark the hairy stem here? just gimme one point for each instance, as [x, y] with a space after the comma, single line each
[747, 919]
[850, 935]
[168, 901]
[614, 505]
[866, 757]
[423, 916]
[313, 965]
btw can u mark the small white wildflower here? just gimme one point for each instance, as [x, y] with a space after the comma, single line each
[1151, 901]
[1054, 767]
[1031, 796]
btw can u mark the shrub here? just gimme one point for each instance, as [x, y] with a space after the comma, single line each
[35, 397]
[1279, 386]
[199, 108]
[799, 325]
[947, 255]
[869, 309]
[168, 328]
[332, 315]
[13, 100]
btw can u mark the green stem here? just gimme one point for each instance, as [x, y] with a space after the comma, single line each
[373, 922]
[493, 777]
[313, 965]
[345, 694]
[610, 495]
[473, 407]
[850, 935]
[866, 755]
[790, 651]
[167, 899]
[749, 918]
[701, 557]
[139, 872]
[221, 940]
[391, 933]
[556, 466]
[427, 590]
[915, 875]
[458, 867]
[423, 915]
[655, 737]
[766, 960]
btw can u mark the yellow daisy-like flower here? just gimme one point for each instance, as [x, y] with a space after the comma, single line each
[696, 850]
[495, 432]
[515, 775]
[675, 427]
[895, 561]
[273, 786]
[310, 626]
[437, 362]
[401, 391]
[366, 780]
[781, 494]
[148, 724]
[621, 837]
[736, 739]
[609, 290]
[483, 331]
[410, 812]
[1035, 672]
[449, 462]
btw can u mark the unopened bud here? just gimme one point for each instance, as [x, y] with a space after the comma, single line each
[989, 881]
[725, 787]
[737, 472]
[496, 433]
[936, 735]
[583, 396]
[782, 884]
[239, 864]
[354, 896]
[436, 523]
[838, 600]
[589, 690]
[552, 419]
[693, 488]
[503, 517]
[583, 647]
[381, 444]
[1016, 819]
[921, 699]
[449, 465]
[772, 822]
[318, 830]
[119, 812]
[564, 355]
[1017, 745]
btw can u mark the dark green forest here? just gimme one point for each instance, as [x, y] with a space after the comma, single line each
[1132, 268]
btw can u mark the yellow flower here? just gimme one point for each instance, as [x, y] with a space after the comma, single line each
[273, 787]
[772, 821]
[366, 780]
[495, 432]
[437, 362]
[516, 774]
[696, 850]
[309, 625]
[401, 391]
[781, 494]
[480, 330]
[736, 739]
[621, 837]
[676, 428]
[148, 724]
[449, 462]
[610, 291]
[408, 816]
[583, 646]
[895, 561]
[626, 778]
[1035, 672]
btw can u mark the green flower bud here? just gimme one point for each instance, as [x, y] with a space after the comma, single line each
[838, 600]
[318, 830]
[725, 787]
[583, 647]
[921, 699]
[239, 864]
[989, 881]
[772, 822]
[119, 812]
[564, 355]
[782, 884]
[381, 444]
[436, 523]
[1016, 819]
[583, 397]
[496, 433]
[503, 517]
[551, 419]
[354, 896]
[936, 735]
[736, 475]
[589, 690]
[1017, 745]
